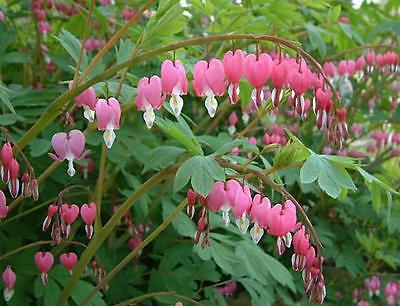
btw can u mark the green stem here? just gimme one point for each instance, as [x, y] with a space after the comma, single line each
[134, 253]
[35, 244]
[155, 294]
[82, 50]
[99, 188]
[53, 110]
[101, 235]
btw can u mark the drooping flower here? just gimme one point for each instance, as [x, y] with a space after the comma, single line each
[362, 303]
[232, 120]
[69, 260]
[257, 70]
[300, 79]
[241, 203]
[44, 28]
[44, 261]
[6, 155]
[281, 221]
[373, 285]
[87, 99]
[218, 200]
[209, 81]
[370, 61]
[301, 244]
[108, 113]
[391, 293]
[51, 211]
[69, 147]
[13, 182]
[259, 210]
[69, 213]
[9, 279]
[88, 214]
[233, 67]
[174, 83]
[191, 197]
[342, 123]
[329, 69]
[322, 107]
[3, 205]
[149, 97]
[279, 78]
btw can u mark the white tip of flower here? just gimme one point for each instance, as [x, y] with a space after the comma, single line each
[225, 216]
[149, 117]
[288, 239]
[243, 224]
[8, 294]
[231, 130]
[71, 170]
[109, 137]
[176, 103]
[314, 105]
[211, 105]
[88, 113]
[256, 233]
[245, 118]
[273, 94]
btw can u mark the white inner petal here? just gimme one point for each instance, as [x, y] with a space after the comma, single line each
[149, 117]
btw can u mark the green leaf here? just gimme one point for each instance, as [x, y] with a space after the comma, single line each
[161, 157]
[316, 38]
[351, 34]
[258, 263]
[80, 291]
[309, 172]
[182, 223]
[51, 293]
[5, 97]
[72, 45]
[223, 257]
[201, 171]
[39, 147]
[184, 174]
[181, 132]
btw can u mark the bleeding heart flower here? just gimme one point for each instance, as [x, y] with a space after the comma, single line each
[108, 114]
[88, 214]
[281, 221]
[69, 260]
[329, 69]
[241, 204]
[69, 147]
[149, 97]
[301, 244]
[69, 213]
[259, 210]
[51, 211]
[232, 120]
[13, 183]
[3, 205]
[9, 279]
[87, 99]
[209, 81]
[6, 155]
[257, 70]
[279, 78]
[174, 83]
[44, 261]
[233, 67]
